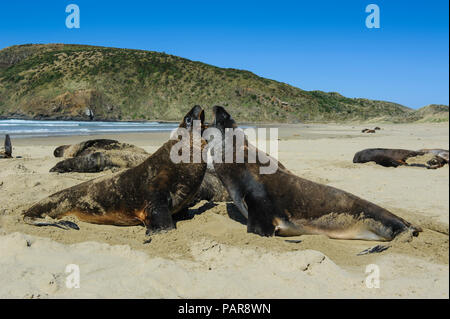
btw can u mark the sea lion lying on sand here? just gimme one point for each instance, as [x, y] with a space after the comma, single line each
[286, 205]
[97, 155]
[367, 130]
[7, 151]
[148, 194]
[89, 147]
[398, 157]
[385, 156]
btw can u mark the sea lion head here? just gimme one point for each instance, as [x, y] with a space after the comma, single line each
[222, 119]
[357, 157]
[436, 162]
[59, 151]
[195, 114]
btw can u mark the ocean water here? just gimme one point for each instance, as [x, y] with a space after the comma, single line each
[26, 128]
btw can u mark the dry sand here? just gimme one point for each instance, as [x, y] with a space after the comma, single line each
[210, 255]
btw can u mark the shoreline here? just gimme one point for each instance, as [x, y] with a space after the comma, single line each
[355, 121]
[301, 131]
[88, 121]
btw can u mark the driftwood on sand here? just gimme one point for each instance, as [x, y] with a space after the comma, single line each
[6, 152]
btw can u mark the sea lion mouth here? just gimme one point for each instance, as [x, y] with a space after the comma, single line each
[201, 118]
[199, 114]
[195, 114]
[222, 119]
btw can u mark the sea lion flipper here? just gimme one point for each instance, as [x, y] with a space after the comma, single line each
[159, 217]
[375, 249]
[259, 211]
[68, 224]
[161, 221]
[389, 162]
[63, 224]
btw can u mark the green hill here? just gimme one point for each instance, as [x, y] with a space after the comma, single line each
[59, 81]
[431, 113]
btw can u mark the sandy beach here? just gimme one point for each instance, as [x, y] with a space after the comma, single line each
[210, 254]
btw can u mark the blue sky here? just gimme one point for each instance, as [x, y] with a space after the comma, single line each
[314, 45]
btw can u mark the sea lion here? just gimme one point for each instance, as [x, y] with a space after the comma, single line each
[7, 152]
[59, 151]
[436, 162]
[97, 155]
[440, 158]
[286, 205]
[366, 130]
[89, 147]
[148, 194]
[385, 157]
[90, 163]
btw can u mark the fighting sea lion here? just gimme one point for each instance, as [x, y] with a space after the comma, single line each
[148, 194]
[385, 156]
[286, 205]
[7, 152]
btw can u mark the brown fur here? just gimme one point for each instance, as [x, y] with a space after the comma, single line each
[287, 205]
[147, 194]
[385, 156]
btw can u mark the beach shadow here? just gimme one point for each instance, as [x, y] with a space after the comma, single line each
[188, 214]
[420, 165]
[232, 211]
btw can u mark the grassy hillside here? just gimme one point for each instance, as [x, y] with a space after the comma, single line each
[431, 113]
[57, 81]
